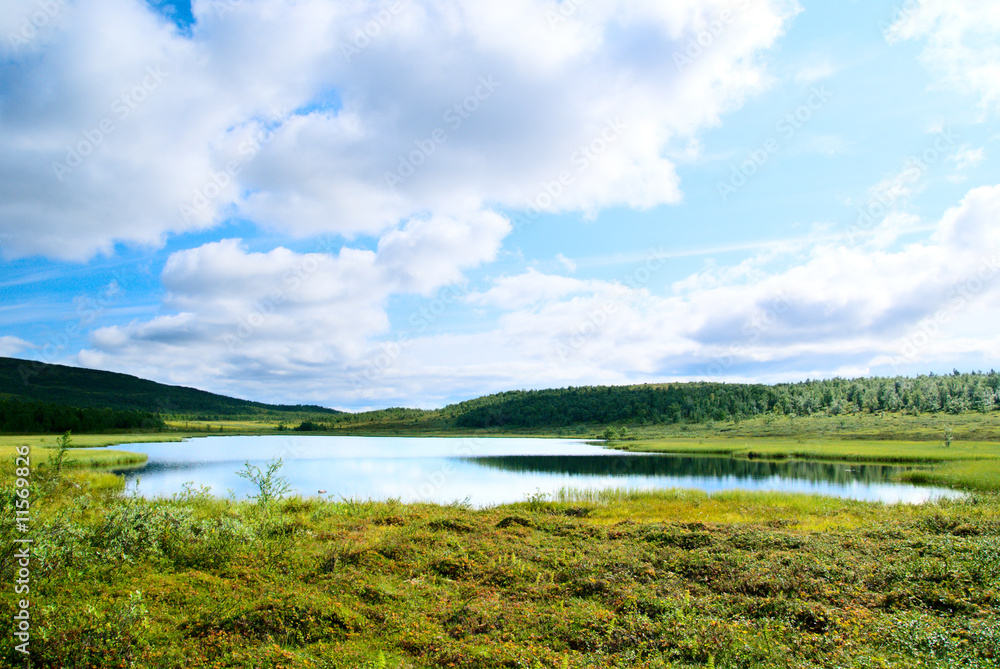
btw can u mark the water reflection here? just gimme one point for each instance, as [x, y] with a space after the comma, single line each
[489, 471]
[687, 466]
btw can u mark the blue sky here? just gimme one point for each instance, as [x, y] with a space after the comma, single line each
[365, 204]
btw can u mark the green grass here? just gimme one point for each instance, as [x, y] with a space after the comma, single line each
[610, 579]
[615, 578]
[970, 475]
[732, 506]
[814, 449]
[91, 440]
[42, 453]
[972, 465]
[881, 426]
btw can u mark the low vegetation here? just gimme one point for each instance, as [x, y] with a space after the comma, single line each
[611, 579]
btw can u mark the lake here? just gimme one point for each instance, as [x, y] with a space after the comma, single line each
[487, 471]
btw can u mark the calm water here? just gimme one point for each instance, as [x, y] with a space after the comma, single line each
[487, 471]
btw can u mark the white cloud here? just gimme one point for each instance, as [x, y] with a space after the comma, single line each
[813, 72]
[265, 112]
[243, 315]
[566, 262]
[827, 308]
[962, 43]
[10, 346]
[966, 157]
[829, 145]
[529, 288]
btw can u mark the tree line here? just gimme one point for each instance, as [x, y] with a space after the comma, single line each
[701, 402]
[19, 417]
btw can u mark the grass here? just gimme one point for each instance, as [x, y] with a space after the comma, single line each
[969, 465]
[224, 426]
[881, 426]
[811, 512]
[91, 440]
[611, 579]
[967, 426]
[831, 449]
[615, 578]
[969, 475]
[44, 450]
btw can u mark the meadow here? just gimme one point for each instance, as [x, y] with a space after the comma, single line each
[675, 578]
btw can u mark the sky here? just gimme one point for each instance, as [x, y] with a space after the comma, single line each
[364, 203]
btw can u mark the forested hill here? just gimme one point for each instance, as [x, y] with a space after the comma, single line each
[29, 381]
[699, 402]
[24, 381]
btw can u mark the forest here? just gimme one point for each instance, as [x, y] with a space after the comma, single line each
[18, 417]
[701, 402]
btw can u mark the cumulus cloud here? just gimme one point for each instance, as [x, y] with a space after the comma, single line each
[961, 43]
[840, 309]
[529, 288]
[966, 157]
[10, 346]
[835, 308]
[352, 117]
[259, 317]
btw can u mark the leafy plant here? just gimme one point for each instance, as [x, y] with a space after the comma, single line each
[538, 500]
[270, 485]
[65, 441]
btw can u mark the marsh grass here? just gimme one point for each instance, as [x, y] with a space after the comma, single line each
[971, 465]
[612, 578]
[616, 578]
[75, 458]
[967, 474]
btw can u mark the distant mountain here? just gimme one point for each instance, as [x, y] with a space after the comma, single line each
[30, 381]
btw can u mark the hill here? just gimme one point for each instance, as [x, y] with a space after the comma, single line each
[553, 409]
[661, 406]
[700, 402]
[30, 381]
